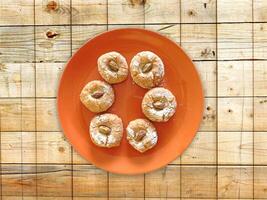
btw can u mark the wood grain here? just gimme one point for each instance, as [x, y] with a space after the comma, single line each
[198, 182]
[16, 12]
[235, 114]
[126, 186]
[17, 44]
[54, 180]
[89, 12]
[235, 182]
[52, 42]
[17, 80]
[52, 12]
[235, 148]
[17, 114]
[198, 11]
[89, 181]
[202, 150]
[162, 183]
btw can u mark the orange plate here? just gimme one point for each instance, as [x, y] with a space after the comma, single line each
[180, 77]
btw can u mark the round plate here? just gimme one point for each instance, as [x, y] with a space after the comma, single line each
[180, 77]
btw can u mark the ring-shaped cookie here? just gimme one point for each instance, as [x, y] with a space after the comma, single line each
[142, 134]
[106, 130]
[112, 67]
[97, 96]
[147, 69]
[159, 104]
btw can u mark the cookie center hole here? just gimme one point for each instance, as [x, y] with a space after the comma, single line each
[140, 135]
[159, 105]
[97, 94]
[113, 65]
[104, 129]
[146, 67]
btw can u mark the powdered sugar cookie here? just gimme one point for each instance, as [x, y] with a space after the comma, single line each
[159, 104]
[112, 67]
[97, 96]
[147, 69]
[141, 134]
[106, 130]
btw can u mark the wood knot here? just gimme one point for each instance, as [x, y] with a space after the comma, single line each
[207, 52]
[229, 110]
[3, 67]
[51, 34]
[137, 2]
[191, 13]
[208, 108]
[61, 149]
[52, 6]
[263, 101]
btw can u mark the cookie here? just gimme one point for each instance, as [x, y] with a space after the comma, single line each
[112, 67]
[159, 104]
[106, 130]
[141, 134]
[147, 69]
[97, 96]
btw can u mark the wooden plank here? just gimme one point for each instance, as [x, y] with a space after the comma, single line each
[207, 72]
[260, 78]
[89, 181]
[28, 147]
[163, 183]
[234, 41]
[52, 12]
[260, 182]
[47, 78]
[260, 113]
[202, 150]
[29, 181]
[237, 11]
[11, 147]
[90, 198]
[17, 115]
[89, 12]
[200, 51]
[235, 78]
[235, 114]
[126, 186]
[235, 148]
[52, 147]
[18, 147]
[170, 31]
[52, 42]
[46, 115]
[235, 182]
[198, 11]
[11, 180]
[16, 12]
[260, 40]
[260, 148]
[81, 34]
[198, 182]
[260, 10]
[201, 33]
[17, 80]
[17, 44]
[209, 116]
[199, 40]
[126, 12]
[157, 11]
[54, 180]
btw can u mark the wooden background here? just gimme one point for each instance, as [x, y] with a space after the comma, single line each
[227, 40]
